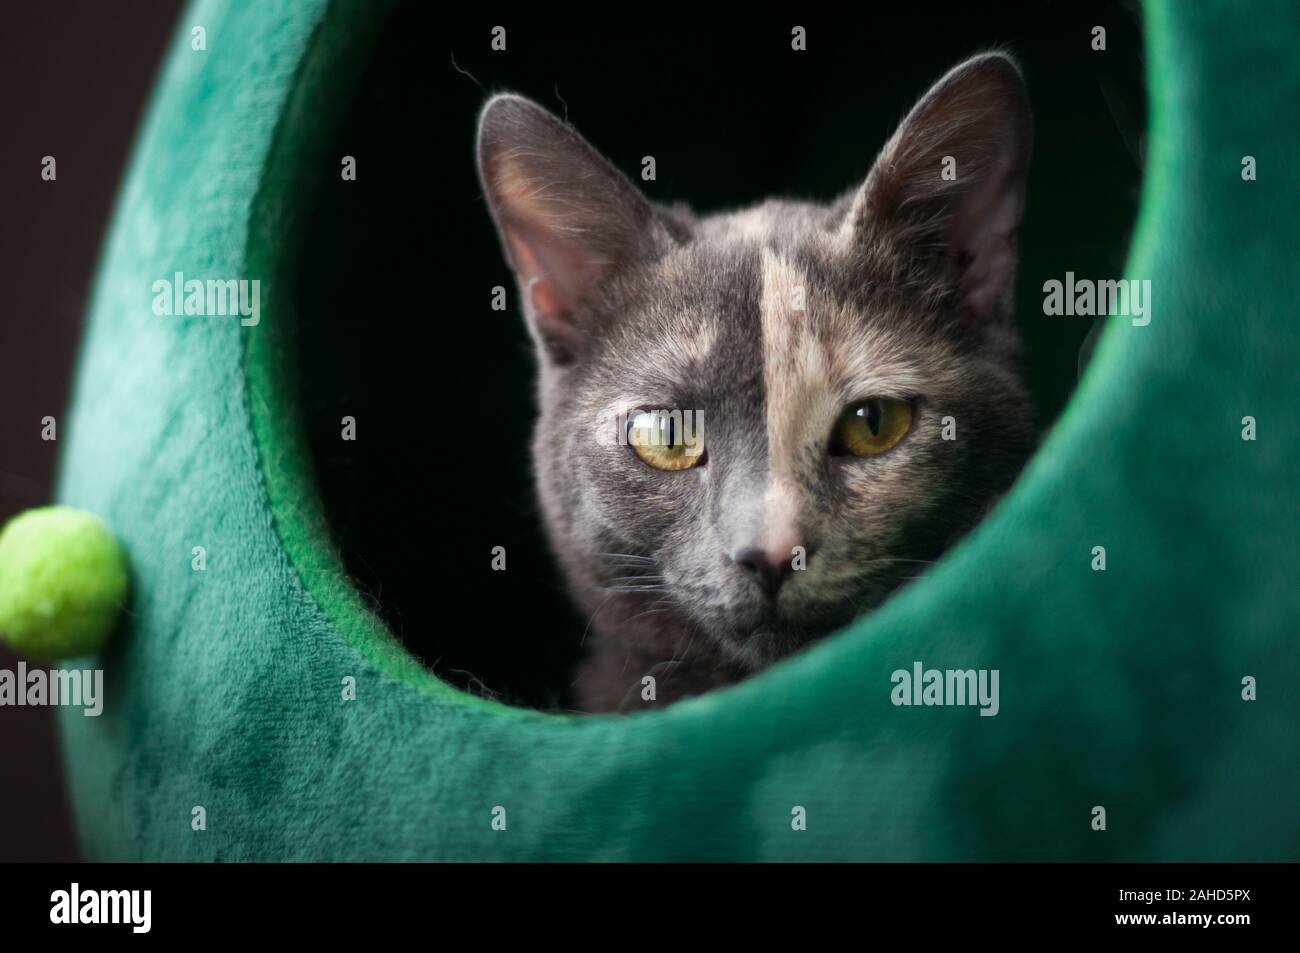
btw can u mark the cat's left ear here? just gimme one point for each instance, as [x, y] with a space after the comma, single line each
[950, 185]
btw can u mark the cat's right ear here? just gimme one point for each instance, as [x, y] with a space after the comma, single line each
[567, 218]
[951, 181]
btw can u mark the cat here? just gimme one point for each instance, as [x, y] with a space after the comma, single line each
[848, 373]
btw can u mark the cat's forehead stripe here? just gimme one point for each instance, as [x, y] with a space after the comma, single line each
[795, 375]
[797, 365]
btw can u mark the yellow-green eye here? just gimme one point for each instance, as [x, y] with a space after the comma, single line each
[659, 438]
[871, 426]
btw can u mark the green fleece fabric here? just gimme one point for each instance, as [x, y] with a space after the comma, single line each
[1119, 689]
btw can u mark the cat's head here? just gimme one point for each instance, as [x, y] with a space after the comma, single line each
[848, 368]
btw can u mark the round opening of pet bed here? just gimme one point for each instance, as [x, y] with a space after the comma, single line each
[414, 397]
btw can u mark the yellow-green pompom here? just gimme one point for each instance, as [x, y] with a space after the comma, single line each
[63, 582]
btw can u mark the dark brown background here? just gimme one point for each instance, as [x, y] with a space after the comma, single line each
[74, 77]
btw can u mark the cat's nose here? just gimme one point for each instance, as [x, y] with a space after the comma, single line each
[769, 569]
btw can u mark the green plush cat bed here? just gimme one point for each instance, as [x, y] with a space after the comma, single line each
[253, 680]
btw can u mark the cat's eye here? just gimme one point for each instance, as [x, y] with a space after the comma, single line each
[871, 427]
[658, 438]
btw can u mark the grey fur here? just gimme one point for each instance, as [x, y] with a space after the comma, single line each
[908, 281]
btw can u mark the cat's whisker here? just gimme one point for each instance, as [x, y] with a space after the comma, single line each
[587, 628]
[660, 667]
[656, 608]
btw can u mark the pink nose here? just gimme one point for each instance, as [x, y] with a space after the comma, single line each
[768, 568]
